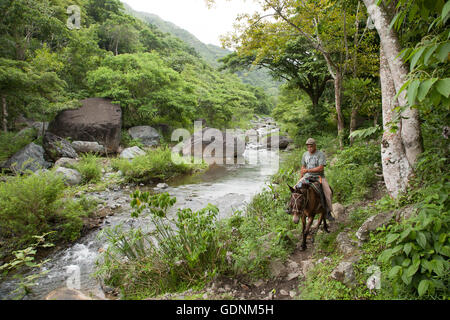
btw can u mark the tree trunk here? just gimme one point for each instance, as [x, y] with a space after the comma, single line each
[410, 124]
[396, 168]
[5, 114]
[337, 96]
[353, 121]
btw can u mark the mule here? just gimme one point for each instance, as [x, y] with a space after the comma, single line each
[305, 203]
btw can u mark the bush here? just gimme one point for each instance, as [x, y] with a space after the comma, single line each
[419, 248]
[10, 143]
[353, 174]
[34, 204]
[155, 165]
[89, 168]
[168, 259]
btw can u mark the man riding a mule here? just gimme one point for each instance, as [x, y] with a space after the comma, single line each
[313, 165]
[307, 197]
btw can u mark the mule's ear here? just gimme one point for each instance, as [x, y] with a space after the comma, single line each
[292, 189]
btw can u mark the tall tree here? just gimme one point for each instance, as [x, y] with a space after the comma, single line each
[410, 123]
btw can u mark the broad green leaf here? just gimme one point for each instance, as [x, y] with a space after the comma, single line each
[446, 251]
[394, 272]
[407, 248]
[443, 86]
[445, 10]
[423, 287]
[391, 238]
[421, 239]
[428, 53]
[442, 51]
[416, 57]
[411, 270]
[438, 267]
[412, 92]
[425, 88]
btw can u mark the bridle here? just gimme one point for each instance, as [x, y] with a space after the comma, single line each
[303, 204]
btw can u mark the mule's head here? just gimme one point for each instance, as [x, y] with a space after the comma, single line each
[297, 203]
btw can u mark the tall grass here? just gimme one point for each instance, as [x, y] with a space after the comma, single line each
[176, 255]
[34, 204]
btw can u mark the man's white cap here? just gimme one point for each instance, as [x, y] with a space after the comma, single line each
[310, 141]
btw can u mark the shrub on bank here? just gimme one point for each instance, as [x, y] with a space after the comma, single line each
[175, 255]
[34, 204]
[155, 165]
[90, 169]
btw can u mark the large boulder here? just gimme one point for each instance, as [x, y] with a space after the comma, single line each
[57, 147]
[29, 158]
[373, 223]
[272, 140]
[148, 136]
[232, 144]
[88, 147]
[97, 120]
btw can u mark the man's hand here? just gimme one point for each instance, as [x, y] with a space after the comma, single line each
[303, 171]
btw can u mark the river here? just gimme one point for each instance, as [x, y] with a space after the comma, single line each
[229, 187]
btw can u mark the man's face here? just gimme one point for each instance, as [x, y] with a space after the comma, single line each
[311, 148]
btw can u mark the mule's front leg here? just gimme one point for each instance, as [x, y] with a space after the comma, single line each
[303, 245]
[306, 232]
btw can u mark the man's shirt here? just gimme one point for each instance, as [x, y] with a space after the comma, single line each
[311, 161]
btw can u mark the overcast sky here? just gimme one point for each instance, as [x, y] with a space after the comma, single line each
[194, 16]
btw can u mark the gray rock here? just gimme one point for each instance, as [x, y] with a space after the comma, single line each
[372, 224]
[162, 185]
[345, 244]
[405, 213]
[66, 162]
[277, 269]
[307, 265]
[272, 141]
[96, 120]
[29, 158]
[232, 145]
[284, 292]
[71, 177]
[148, 136]
[67, 294]
[131, 153]
[345, 274]
[57, 147]
[338, 211]
[88, 147]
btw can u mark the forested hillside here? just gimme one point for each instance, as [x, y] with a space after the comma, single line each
[210, 53]
[156, 78]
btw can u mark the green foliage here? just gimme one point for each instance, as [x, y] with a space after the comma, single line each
[419, 248]
[24, 260]
[156, 165]
[174, 255]
[90, 168]
[34, 204]
[353, 174]
[10, 143]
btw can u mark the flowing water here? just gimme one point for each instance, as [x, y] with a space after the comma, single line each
[229, 187]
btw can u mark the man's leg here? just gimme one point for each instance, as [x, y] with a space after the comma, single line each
[328, 194]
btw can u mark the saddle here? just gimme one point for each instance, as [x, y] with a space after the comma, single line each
[316, 184]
